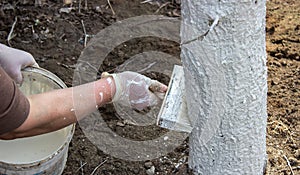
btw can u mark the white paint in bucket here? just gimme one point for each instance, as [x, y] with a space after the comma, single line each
[44, 154]
[28, 150]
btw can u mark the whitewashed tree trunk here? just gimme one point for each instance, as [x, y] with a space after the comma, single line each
[224, 59]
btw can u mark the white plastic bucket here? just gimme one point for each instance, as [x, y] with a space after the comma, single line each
[44, 154]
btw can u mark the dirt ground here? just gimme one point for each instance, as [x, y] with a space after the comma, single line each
[56, 38]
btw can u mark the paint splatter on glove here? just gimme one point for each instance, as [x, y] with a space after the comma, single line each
[13, 60]
[136, 90]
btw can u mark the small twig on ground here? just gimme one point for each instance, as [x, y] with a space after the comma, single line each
[81, 167]
[297, 167]
[112, 70]
[112, 10]
[67, 2]
[294, 168]
[152, 2]
[85, 35]
[79, 6]
[89, 64]
[10, 35]
[85, 5]
[146, 68]
[146, 1]
[289, 164]
[162, 6]
[37, 3]
[98, 167]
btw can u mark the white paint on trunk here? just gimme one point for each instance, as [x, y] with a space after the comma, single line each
[224, 59]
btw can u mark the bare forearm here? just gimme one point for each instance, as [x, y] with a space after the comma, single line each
[56, 109]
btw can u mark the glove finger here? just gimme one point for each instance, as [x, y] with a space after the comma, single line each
[149, 101]
[156, 86]
[32, 63]
[29, 61]
[153, 99]
[160, 95]
[16, 75]
[19, 79]
[35, 65]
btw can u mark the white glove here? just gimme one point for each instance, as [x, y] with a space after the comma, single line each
[13, 60]
[136, 90]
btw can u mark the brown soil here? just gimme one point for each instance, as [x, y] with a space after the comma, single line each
[56, 40]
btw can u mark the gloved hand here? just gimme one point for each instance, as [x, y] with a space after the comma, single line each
[13, 60]
[136, 90]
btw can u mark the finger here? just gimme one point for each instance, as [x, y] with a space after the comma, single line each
[35, 65]
[160, 95]
[17, 77]
[153, 99]
[28, 60]
[105, 75]
[156, 86]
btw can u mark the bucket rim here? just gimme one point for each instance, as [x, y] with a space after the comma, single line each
[67, 141]
[47, 74]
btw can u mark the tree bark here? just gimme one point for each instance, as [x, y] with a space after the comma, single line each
[224, 59]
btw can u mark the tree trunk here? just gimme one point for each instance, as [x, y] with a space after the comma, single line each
[224, 59]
